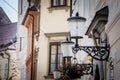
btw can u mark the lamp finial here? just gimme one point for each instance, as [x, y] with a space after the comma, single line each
[77, 14]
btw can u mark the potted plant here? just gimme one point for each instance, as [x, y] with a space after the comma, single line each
[70, 71]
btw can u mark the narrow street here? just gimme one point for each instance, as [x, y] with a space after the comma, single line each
[59, 39]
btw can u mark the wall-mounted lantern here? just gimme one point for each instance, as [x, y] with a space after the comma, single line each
[76, 32]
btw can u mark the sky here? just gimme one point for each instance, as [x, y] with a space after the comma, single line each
[11, 9]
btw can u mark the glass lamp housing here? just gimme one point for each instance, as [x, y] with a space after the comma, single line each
[76, 25]
[66, 47]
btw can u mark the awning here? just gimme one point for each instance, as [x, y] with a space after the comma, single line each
[7, 34]
[100, 18]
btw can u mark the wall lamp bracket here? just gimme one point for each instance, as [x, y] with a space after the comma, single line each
[96, 52]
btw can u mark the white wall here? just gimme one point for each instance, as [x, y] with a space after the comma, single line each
[22, 33]
[85, 9]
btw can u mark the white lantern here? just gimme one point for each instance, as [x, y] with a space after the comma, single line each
[66, 47]
[76, 25]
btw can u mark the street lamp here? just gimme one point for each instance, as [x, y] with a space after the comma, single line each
[66, 47]
[76, 25]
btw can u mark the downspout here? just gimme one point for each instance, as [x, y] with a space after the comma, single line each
[38, 32]
[32, 78]
[39, 16]
[39, 21]
[70, 8]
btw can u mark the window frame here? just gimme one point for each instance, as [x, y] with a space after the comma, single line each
[52, 5]
[57, 44]
[64, 59]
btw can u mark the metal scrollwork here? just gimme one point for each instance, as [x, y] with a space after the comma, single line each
[87, 69]
[97, 52]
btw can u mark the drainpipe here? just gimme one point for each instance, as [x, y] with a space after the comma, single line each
[32, 72]
[70, 8]
[39, 21]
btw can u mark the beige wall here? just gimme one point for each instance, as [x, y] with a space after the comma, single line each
[114, 40]
[113, 31]
[52, 20]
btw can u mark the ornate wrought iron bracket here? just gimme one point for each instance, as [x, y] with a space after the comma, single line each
[87, 69]
[96, 52]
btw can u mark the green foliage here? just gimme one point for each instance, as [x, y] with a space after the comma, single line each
[70, 71]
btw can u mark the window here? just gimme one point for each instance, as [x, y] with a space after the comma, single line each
[57, 3]
[5, 71]
[55, 56]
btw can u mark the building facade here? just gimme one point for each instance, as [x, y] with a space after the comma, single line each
[8, 51]
[28, 33]
[49, 14]
[49, 17]
[103, 18]
[8, 59]
[53, 29]
[22, 39]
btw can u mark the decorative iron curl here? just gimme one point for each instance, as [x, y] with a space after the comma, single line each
[87, 68]
[96, 52]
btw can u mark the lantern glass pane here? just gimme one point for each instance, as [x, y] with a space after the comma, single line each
[76, 27]
[67, 49]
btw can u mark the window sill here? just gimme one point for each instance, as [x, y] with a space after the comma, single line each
[58, 8]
